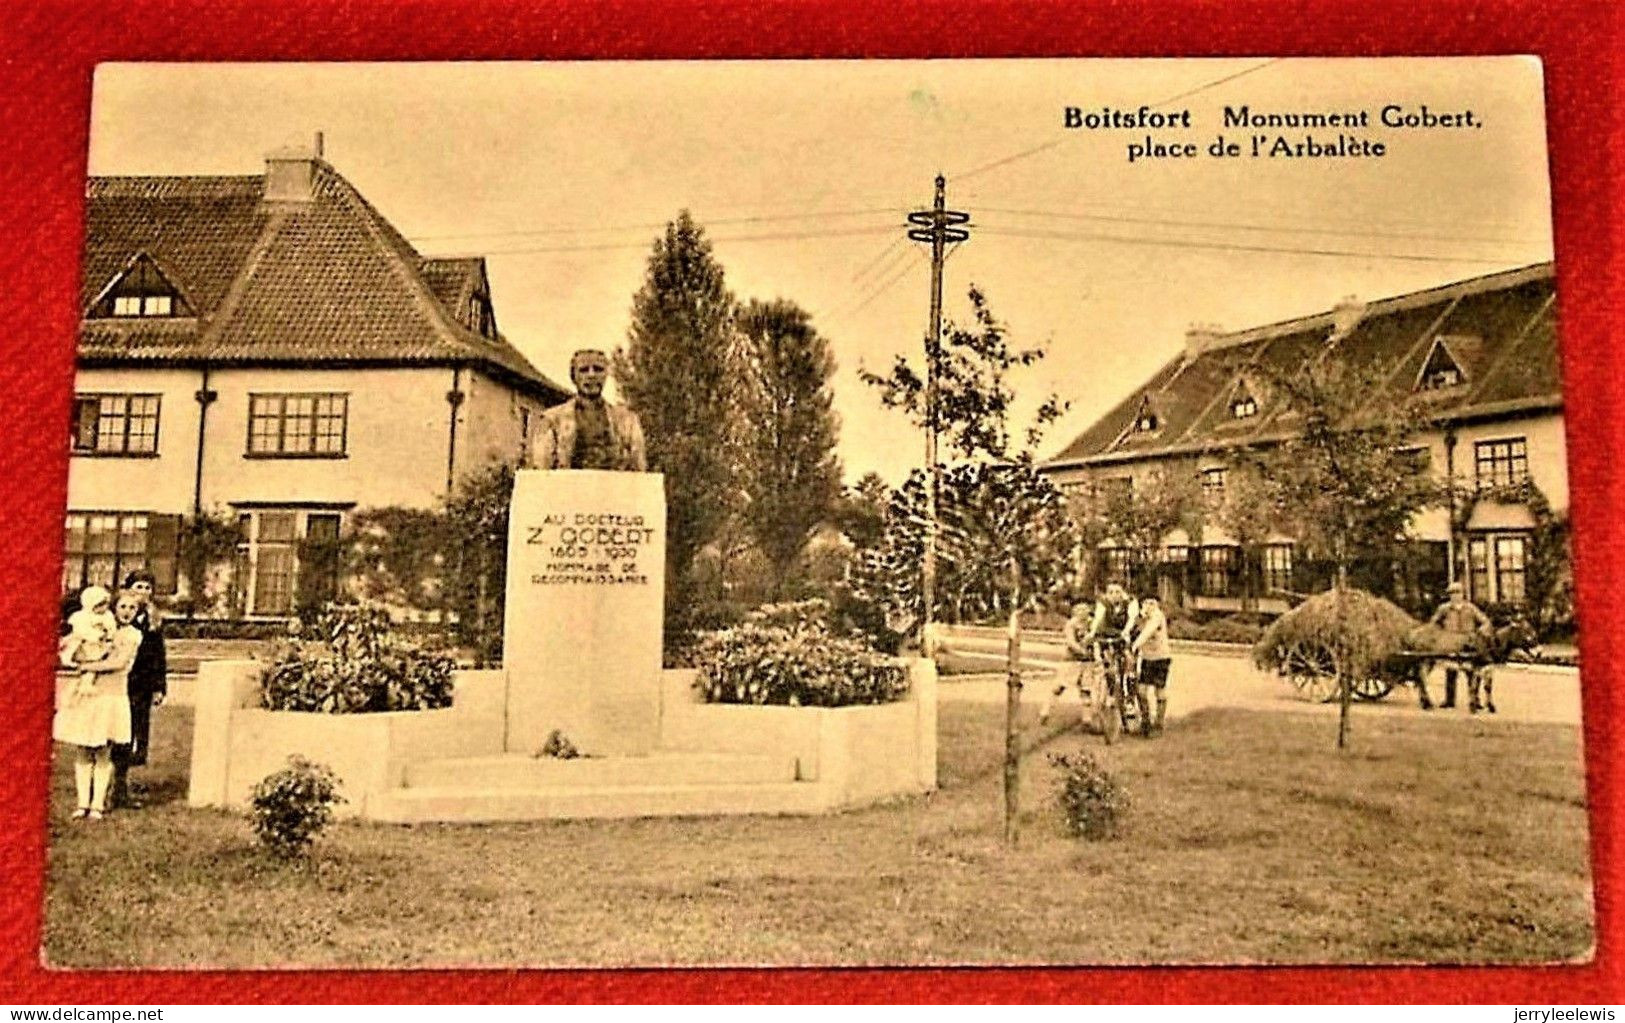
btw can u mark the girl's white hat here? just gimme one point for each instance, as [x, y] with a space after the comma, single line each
[93, 596]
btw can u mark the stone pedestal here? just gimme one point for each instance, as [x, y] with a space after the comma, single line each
[585, 609]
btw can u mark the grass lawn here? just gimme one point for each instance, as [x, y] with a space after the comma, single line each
[1250, 840]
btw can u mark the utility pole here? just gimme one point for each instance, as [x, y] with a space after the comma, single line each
[936, 226]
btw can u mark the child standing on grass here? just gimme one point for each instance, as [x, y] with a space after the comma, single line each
[95, 713]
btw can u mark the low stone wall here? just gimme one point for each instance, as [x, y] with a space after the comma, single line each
[236, 742]
[849, 756]
[856, 755]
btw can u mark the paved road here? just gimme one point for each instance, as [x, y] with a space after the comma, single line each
[1522, 692]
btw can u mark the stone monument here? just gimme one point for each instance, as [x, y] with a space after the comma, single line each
[586, 579]
[585, 604]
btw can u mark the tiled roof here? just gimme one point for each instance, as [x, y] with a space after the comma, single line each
[327, 281]
[1500, 330]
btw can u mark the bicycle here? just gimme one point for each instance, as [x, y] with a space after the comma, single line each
[1117, 711]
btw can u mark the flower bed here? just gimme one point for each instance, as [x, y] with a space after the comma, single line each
[786, 655]
[351, 662]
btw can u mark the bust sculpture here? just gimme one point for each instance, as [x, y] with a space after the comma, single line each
[588, 432]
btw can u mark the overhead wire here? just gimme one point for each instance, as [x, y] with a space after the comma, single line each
[612, 246]
[1239, 226]
[652, 226]
[1182, 243]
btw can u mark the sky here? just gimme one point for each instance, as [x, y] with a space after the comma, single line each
[802, 172]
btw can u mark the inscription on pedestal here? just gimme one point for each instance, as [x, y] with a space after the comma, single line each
[585, 602]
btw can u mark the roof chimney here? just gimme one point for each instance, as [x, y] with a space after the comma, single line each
[290, 173]
[1346, 315]
[1201, 337]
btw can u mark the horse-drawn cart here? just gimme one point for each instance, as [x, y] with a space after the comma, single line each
[1314, 676]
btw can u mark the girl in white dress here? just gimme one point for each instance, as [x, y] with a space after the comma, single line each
[95, 713]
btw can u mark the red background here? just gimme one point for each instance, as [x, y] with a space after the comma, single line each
[50, 50]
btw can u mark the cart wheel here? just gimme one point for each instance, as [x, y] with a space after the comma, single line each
[1317, 688]
[1372, 689]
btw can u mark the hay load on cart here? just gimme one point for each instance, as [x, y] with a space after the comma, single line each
[1350, 632]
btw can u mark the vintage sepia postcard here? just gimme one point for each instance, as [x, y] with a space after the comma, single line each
[818, 513]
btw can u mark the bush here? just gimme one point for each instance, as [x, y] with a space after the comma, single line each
[1345, 630]
[785, 654]
[1093, 803]
[356, 664]
[294, 806]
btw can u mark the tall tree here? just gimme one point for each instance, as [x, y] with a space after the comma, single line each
[679, 371]
[790, 476]
[1345, 480]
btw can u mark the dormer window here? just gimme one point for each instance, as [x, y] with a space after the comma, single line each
[1242, 403]
[1146, 419]
[1440, 370]
[481, 319]
[141, 290]
[1438, 380]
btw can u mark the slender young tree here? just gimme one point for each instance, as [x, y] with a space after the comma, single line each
[679, 372]
[1002, 529]
[1344, 480]
[790, 476]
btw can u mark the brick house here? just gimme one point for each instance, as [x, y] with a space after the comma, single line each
[1482, 352]
[271, 350]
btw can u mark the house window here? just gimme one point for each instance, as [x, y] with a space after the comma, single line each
[1498, 568]
[1439, 379]
[103, 547]
[1243, 408]
[1441, 371]
[1510, 569]
[1146, 422]
[1175, 554]
[115, 424]
[1500, 463]
[1213, 485]
[480, 317]
[1277, 567]
[288, 556]
[1218, 568]
[140, 291]
[298, 425]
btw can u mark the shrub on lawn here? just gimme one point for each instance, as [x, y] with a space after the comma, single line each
[786, 654]
[1336, 629]
[353, 662]
[293, 806]
[1093, 802]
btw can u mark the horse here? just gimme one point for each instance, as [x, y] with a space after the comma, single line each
[1494, 648]
[1477, 660]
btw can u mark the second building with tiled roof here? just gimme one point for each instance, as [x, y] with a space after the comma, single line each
[1482, 353]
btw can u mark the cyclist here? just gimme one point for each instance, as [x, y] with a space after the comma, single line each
[1111, 630]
